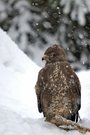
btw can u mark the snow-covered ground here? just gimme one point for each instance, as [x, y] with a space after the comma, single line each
[18, 76]
[18, 105]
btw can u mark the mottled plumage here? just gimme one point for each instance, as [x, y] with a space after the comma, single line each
[58, 88]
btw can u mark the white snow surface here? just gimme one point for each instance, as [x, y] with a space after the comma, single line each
[18, 105]
[18, 77]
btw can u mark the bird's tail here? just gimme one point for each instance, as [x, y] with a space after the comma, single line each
[69, 125]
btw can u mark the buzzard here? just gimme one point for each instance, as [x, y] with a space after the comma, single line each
[58, 89]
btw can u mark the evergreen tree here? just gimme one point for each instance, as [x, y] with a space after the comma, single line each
[36, 24]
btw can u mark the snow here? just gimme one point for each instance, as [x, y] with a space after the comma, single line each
[80, 8]
[17, 80]
[13, 124]
[84, 78]
[18, 104]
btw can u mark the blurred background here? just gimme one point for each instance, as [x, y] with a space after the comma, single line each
[36, 24]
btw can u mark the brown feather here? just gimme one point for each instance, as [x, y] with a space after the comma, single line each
[58, 88]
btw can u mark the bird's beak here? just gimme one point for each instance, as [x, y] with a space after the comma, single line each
[45, 57]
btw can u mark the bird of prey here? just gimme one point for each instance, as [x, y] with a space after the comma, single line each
[58, 89]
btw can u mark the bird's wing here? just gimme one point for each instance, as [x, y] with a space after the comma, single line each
[74, 83]
[75, 89]
[38, 88]
[78, 90]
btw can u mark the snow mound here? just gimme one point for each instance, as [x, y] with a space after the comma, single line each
[18, 77]
[13, 124]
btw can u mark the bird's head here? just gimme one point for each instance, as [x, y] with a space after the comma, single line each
[53, 54]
